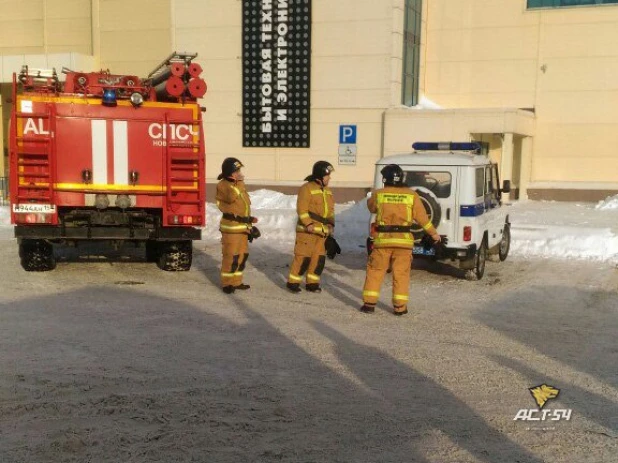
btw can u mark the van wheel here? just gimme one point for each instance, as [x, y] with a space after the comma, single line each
[505, 243]
[175, 256]
[432, 207]
[480, 258]
[37, 255]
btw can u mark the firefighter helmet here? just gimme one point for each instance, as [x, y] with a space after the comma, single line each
[229, 166]
[320, 170]
[392, 175]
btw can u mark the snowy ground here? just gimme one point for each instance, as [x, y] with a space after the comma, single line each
[108, 359]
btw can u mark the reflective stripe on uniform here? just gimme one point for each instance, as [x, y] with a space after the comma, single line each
[233, 227]
[227, 275]
[371, 293]
[295, 277]
[318, 229]
[427, 226]
[379, 241]
[400, 297]
[311, 276]
[243, 199]
[304, 216]
[237, 274]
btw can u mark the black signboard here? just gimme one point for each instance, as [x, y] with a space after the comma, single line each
[276, 73]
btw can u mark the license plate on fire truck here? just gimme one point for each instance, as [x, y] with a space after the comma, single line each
[38, 208]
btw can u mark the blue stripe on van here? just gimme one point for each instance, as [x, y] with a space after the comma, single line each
[472, 211]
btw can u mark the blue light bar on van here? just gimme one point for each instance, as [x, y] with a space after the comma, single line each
[445, 146]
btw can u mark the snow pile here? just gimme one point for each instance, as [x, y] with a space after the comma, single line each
[564, 230]
[276, 213]
[611, 202]
[539, 228]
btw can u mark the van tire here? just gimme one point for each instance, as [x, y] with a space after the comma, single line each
[505, 244]
[480, 260]
[432, 207]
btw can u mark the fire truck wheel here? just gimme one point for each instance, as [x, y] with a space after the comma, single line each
[152, 251]
[37, 256]
[176, 256]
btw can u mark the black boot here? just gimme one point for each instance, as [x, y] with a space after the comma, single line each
[313, 287]
[368, 308]
[228, 289]
[294, 287]
[401, 310]
[242, 286]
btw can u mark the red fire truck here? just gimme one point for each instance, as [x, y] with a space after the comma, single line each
[108, 157]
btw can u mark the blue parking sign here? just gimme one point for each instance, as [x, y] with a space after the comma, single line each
[347, 134]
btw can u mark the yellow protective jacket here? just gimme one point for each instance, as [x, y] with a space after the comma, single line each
[233, 200]
[315, 206]
[398, 207]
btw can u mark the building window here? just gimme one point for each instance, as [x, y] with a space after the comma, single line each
[559, 3]
[411, 52]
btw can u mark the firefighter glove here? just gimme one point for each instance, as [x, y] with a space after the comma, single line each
[332, 247]
[254, 234]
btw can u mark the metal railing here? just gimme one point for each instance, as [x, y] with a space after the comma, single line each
[4, 191]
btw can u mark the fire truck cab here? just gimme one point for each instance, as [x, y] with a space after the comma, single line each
[461, 192]
[110, 158]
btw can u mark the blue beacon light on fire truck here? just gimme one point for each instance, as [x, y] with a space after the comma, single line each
[446, 146]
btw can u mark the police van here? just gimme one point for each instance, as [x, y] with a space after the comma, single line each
[460, 189]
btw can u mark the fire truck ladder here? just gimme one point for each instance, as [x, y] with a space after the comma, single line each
[184, 162]
[35, 158]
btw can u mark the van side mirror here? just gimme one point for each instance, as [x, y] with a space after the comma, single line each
[506, 186]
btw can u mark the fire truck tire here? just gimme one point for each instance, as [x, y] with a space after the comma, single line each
[176, 256]
[152, 251]
[432, 207]
[37, 256]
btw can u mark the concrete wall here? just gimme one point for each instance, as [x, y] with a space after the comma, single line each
[34, 27]
[562, 62]
[354, 52]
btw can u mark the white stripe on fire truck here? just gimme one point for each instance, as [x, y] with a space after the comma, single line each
[121, 153]
[99, 151]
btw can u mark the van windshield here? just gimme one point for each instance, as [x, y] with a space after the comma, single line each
[439, 183]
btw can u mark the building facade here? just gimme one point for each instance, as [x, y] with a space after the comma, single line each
[534, 79]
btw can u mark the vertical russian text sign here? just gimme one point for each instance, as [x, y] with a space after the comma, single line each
[276, 73]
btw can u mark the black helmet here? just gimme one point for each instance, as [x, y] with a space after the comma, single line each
[392, 175]
[229, 166]
[320, 170]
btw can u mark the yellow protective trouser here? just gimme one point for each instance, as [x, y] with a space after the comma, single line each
[309, 256]
[401, 260]
[235, 247]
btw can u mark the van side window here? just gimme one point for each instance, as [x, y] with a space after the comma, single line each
[480, 182]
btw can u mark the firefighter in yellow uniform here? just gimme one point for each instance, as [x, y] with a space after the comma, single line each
[396, 207]
[316, 221]
[236, 224]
